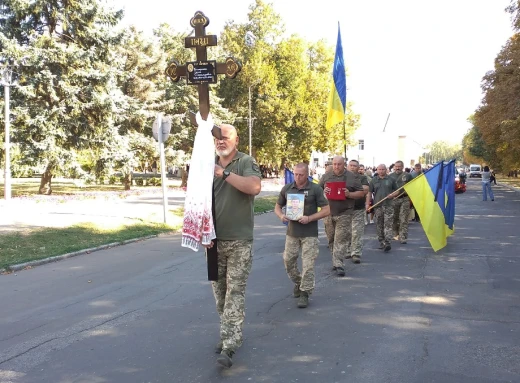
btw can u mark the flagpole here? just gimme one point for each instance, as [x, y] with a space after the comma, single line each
[345, 137]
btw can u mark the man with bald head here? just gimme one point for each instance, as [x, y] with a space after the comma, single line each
[236, 182]
[382, 186]
[341, 187]
[302, 233]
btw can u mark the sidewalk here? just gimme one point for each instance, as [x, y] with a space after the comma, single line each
[20, 214]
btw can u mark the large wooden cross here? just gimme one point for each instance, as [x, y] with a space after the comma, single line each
[203, 71]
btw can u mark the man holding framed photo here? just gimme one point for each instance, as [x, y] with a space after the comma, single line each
[302, 198]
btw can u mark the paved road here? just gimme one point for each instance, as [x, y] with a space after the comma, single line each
[145, 313]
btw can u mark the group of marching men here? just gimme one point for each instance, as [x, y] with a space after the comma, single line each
[345, 216]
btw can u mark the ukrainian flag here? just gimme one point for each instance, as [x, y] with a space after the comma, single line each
[338, 93]
[289, 177]
[428, 194]
[449, 206]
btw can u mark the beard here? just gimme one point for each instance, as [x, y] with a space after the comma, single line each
[225, 152]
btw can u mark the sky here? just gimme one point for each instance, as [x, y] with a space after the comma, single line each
[420, 61]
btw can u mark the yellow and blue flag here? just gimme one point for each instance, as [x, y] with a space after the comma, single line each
[338, 93]
[289, 177]
[449, 206]
[428, 193]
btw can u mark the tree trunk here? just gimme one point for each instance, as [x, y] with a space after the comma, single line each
[184, 179]
[128, 181]
[45, 183]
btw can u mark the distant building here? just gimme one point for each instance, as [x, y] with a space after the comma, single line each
[372, 149]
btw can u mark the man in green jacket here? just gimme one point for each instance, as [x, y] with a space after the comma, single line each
[401, 203]
[382, 186]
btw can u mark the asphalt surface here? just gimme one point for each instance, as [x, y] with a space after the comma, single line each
[144, 312]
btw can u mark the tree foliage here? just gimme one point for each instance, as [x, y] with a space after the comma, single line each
[89, 90]
[289, 79]
[443, 151]
[495, 136]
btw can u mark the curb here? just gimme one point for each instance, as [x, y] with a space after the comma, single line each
[57, 258]
[39, 262]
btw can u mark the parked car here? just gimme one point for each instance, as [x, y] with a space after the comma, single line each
[475, 171]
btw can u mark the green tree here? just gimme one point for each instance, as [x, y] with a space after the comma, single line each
[444, 151]
[67, 98]
[496, 133]
[289, 79]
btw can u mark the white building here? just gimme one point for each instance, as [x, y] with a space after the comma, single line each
[372, 149]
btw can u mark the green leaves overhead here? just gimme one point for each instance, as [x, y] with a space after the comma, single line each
[88, 88]
[495, 136]
[290, 82]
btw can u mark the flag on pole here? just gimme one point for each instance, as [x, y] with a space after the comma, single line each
[289, 177]
[338, 93]
[449, 206]
[428, 193]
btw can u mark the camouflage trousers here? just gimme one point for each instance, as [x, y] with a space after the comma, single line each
[355, 241]
[342, 233]
[309, 247]
[384, 216]
[329, 231]
[235, 259]
[401, 217]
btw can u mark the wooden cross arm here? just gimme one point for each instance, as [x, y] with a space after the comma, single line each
[175, 71]
[230, 68]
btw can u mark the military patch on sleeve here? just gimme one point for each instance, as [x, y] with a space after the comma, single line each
[256, 168]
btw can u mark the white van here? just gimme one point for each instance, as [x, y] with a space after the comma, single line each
[475, 171]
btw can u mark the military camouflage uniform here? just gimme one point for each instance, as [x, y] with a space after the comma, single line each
[235, 259]
[358, 231]
[300, 236]
[384, 212]
[309, 246]
[342, 233]
[401, 207]
[401, 217]
[234, 227]
[342, 213]
[384, 216]
[329, 231]
[355, 247]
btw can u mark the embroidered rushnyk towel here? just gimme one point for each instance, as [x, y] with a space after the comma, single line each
[198, 225]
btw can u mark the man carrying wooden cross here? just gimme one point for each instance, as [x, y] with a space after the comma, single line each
[236, 182]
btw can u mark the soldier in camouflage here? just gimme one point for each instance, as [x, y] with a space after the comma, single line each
[303, 233]
[401, 203]
[358, 219]
[382, 186]
[341, 209]
[236, 182]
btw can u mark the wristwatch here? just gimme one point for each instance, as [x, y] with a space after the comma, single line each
[225, 174]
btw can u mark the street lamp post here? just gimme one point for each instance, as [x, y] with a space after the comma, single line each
[250, 40]
[250, 123]
[6, 80]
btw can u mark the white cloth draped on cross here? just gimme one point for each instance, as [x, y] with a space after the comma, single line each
[198, 225]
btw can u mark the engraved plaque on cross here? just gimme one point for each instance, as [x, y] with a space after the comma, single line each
[202, 71]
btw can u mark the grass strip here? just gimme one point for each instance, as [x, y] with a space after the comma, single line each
[20, 247]
[265, 204]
